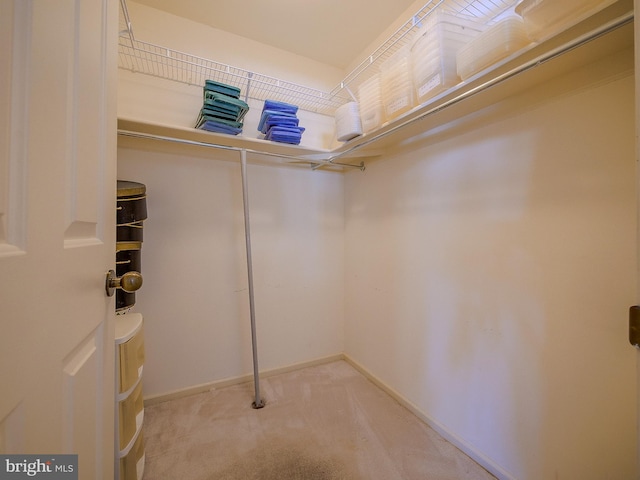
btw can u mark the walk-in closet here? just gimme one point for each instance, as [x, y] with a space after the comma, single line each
[471, 250]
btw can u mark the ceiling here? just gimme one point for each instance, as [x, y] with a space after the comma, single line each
[333, 32]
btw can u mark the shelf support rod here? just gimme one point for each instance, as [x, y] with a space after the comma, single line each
[258, 402]
[313, 159]
[246, 93]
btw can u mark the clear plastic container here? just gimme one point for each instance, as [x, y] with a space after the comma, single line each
[498, 42]
[397, 87]
[545, 18]
[348, 123]
[370, 102]
[433, 54]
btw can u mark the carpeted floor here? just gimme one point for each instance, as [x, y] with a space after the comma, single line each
[326, 422]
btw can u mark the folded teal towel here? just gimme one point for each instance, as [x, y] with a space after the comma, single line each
[217, 87]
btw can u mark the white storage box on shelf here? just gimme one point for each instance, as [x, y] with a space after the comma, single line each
[348, 124]
[498, 42]
[433, 54]
[397, 86]
[370, 100]
[545, 18]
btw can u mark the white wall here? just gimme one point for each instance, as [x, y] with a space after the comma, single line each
[195, 299]
[489, 277]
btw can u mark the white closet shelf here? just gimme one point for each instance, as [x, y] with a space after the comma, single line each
[131, 132]
[607, 32]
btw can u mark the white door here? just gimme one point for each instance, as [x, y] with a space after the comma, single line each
[636, 9]
[57, 233]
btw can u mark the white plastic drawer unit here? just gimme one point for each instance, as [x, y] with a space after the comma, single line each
[129, 413]
[130, 351]
[132, 463]
[131, 416]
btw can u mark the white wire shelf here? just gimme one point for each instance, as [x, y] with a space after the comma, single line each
[602, 36]
[483, 11]
[150, 59]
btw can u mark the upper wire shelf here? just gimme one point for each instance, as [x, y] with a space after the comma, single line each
[483, 11]
[150, 59]
[157, 61]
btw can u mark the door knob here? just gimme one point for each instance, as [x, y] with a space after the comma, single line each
[129, 282]
[634, 325]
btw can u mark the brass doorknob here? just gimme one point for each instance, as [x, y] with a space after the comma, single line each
[129, 282]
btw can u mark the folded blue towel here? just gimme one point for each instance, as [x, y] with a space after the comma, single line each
[268, 114]
[280, 106]
[280, 120]
[269, 121]
[287, 134]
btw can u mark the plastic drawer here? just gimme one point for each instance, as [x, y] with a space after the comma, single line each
[132, 464]
[545, 18]
[131, 360]
[131, 415]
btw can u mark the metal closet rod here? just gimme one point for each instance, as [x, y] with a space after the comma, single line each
[314, 162]
[552, 54]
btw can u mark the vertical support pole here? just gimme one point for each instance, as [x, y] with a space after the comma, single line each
[248, 90]
[258, 403]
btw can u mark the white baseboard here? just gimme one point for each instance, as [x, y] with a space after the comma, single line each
[487, 463]
[227, 382]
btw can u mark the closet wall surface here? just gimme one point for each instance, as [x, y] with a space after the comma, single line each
[489, 275]
[197, 310]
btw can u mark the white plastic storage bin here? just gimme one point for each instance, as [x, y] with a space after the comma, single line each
[433, 54]
[132, 461]
[129, 411]
[348, 124]
[498, 42]
[131, 416]
[130, 354]
[370, 101]
[545, 18]
[397, 86]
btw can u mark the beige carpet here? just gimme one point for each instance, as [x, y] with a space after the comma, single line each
[326, 422]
